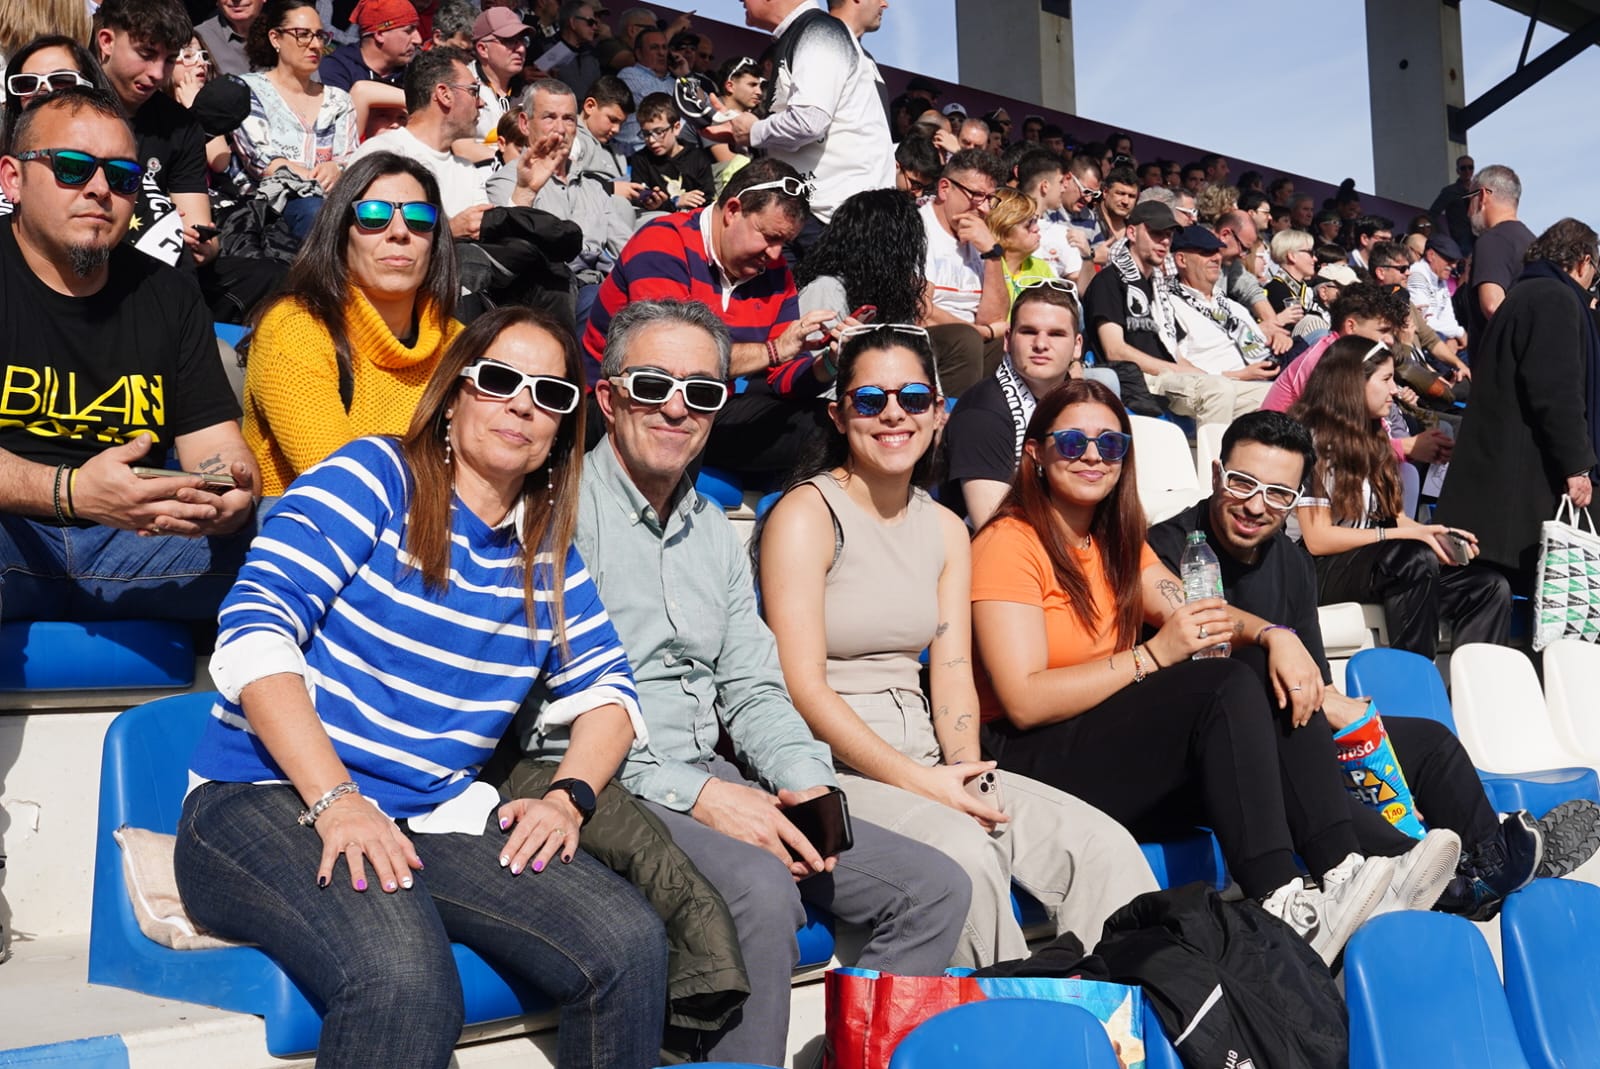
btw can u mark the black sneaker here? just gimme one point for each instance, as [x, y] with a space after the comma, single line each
[692, 95]
[1506, 863]
[1571, 837]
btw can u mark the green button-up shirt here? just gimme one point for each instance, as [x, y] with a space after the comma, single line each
[679, 592]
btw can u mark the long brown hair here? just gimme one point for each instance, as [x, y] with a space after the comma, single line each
[549, 493]
[1118, 526]
[1352, 447]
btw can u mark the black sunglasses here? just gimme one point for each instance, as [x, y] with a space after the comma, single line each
[375, 215]
[915, 398]
[74, 168]
[503, 382]
[1072, 444]
[657, 388]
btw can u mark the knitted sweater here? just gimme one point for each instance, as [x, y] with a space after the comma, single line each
[414, 688]
[292, 413]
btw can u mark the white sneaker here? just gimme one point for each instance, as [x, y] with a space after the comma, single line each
[1351, 892]
[1299, 906]
[1422, 873]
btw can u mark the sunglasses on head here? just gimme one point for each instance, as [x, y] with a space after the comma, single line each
[915, 398]
[657, 387]
[1072, 444]
[74, 168]
[503, 382]
[791, 187]
[892, 328]
[27, 85]
[1243, 487]
[1062, 285]
[374, 215]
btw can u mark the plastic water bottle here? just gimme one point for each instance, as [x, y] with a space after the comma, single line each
[1202, 578]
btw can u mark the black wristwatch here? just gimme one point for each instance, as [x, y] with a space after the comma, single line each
[581, 793]
[995, 253]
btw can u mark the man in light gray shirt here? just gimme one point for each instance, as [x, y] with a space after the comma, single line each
[676, 583]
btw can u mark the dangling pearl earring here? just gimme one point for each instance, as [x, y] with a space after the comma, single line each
[447, 439]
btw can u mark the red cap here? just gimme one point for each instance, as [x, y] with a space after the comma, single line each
[375, 16]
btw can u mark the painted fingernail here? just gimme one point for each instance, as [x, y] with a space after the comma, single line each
[504, 823]
[538, 866]
[516, 870]
[420, 865]
[406, 883]
[361, 885]
[566, 859]
[390, 886]
[322, 881]
[504, 861]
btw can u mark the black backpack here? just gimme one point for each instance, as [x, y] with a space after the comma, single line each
[1234, 987]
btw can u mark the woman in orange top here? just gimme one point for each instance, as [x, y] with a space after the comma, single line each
[1062, 583]
[367, 310]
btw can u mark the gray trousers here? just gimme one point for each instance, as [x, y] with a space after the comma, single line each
[911, 899]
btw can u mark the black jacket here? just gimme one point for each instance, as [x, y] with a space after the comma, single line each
[1233, 986]
[1527, 427]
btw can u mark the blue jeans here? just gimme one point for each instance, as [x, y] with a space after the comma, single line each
[381, 964]
[102, 573]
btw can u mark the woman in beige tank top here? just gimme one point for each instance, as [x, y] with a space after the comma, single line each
[860, 571]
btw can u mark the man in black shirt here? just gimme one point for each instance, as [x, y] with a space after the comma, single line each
[1502, 241]
[1128, 315]
[110, 362]
[1265, 457]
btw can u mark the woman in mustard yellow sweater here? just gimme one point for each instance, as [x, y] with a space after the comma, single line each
[366, 311]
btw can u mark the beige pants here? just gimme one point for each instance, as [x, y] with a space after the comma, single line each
[1079, 863]
[1209, 398]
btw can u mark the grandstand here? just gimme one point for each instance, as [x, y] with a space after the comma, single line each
[96, 722]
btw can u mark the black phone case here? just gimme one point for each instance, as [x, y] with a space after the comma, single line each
[825, 822]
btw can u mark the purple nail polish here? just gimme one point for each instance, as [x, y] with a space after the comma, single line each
[420, 865]
[504, 823]
[538, 866]
[390, 886]
[516, 870]
[361, 885]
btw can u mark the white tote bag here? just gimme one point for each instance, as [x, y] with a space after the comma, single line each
[1567, 589]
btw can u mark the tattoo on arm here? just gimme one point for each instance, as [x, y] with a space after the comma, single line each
[1111, 662]
[940, 713]
[952, 664]
[1238, 629]
[1170, 591]
[213, 463]
[939, 631]
[962, 721]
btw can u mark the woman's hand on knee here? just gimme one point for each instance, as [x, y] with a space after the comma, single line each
[539, 829]
[947, 785]
[357, 829]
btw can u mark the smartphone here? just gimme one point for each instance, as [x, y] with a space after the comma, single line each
[220, 482]
[1459, 548]
[825, 822]
[865, 314]
[206, 233]
[986, 789]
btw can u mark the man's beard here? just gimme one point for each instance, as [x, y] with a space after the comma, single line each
[87, 259]
[1478, 222]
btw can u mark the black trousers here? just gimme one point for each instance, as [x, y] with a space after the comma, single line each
[1416, 591]
[761, 432]
[1198, 743]
[962, 357]
[1443, 783]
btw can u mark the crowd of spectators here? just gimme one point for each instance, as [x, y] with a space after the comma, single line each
[512, 277]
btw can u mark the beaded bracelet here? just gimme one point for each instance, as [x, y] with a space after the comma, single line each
[308, 817]
[1138, 666]
[1278, 627]
[55, 494]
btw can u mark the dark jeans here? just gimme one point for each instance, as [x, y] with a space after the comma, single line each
[102, 573]
[1416, 591]
[381, 963]
[1195, 728]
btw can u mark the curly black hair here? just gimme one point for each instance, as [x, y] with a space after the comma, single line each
[875, 245]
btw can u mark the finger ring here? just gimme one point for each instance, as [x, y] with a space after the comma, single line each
[1297, 688]
[1203, 631]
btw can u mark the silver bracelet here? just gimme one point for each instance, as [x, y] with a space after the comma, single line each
[308, 817]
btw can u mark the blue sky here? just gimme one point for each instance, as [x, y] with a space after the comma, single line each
[1550, 135]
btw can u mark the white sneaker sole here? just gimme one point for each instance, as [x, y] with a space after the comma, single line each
[1432, 865]
[1355, 902]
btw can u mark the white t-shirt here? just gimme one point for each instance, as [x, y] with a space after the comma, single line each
[461, 184]
[1205, 344]
[1057, 251]
[955, 269]
[828, 120]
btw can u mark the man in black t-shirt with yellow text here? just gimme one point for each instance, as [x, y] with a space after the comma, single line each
[109, 363]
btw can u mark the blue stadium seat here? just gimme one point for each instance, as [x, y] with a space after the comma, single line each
[232, 333]
[104, 655]
[1008, 1033]
[1159, 1053]
[1193, 857]
[1423, 993]
[764, 506]
[1551, 951]
[1408, 684]
[726, 488]
[143, 776]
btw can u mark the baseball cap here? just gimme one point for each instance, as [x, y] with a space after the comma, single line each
[1446, 247]
[1340, 275]
[1154, 215]
[375, 16]
[926, 85]
[1195, 239]
[498, 22]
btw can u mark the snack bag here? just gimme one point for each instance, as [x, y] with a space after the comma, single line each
[1373, 775]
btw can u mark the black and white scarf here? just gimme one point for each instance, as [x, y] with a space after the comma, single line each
[1251, 345]
[1166, 322]
[1019, 401]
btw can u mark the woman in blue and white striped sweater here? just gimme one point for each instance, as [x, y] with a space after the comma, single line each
[396, 609]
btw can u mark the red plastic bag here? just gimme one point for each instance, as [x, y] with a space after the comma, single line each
[870, 1013]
